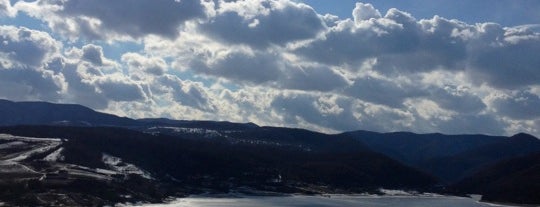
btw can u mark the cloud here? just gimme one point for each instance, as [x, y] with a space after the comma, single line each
[6, 9]
[26, 46]
[337, 113]
[364, 12]
[102, 19]
[262, 23]
[489, 53]
[93, 54]
[274, 62]
[93, 79]
[381, 91]
[472, 124]
[120, 88]
[398, 42]
[254, 67]
[438, 43]
[507, 58]
[80, 78]
[309, 110]
[521, 105]
[457, 98]
[30, 84]
[311, 78]
[351, 42]
[268, 68]
[148, 65]
[371, 62]
[22, 55]
[188, 93]
[243, 65]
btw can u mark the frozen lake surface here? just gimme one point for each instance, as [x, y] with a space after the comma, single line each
[322, 201]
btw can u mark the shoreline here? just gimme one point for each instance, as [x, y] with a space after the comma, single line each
[366, 195]
[336, 197]
[385, 193]
[508, 204]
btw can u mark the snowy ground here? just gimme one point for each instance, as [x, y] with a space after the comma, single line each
[11, 137]
[17, 153]
[15, 149]
[55, 156]
[116, 164]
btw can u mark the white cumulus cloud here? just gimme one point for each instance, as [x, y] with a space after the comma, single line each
[274, 62]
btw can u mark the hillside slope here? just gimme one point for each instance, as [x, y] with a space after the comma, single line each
[515, 180]
[175, 166]
[449, 157]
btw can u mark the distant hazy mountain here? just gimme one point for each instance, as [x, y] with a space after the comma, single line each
[212, 125]
[42, 113]
[449, 157]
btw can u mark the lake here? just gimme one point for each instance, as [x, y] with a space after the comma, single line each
[322, 201]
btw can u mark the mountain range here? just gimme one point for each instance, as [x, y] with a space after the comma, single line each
[65, 154]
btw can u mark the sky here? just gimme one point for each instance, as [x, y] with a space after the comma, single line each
[443, 66]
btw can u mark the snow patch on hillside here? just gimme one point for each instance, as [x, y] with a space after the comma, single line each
[116, 164]
[12, 144]
[206, 133]
[55, 156]
[38, 150]
[11, 167]
[12, 137]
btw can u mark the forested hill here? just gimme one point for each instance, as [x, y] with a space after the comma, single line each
[49, 150]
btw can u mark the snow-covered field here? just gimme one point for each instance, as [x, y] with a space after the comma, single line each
[11, 137]
[55, 156]
[11, 145]
[16, 149]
